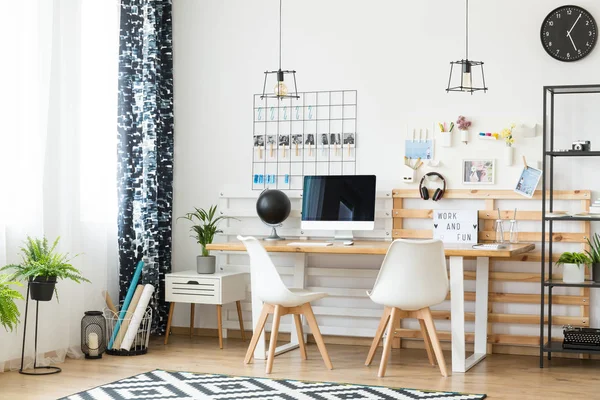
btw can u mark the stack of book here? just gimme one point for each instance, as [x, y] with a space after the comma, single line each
[595, 208]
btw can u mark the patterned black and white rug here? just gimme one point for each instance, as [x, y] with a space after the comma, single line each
[164, 385]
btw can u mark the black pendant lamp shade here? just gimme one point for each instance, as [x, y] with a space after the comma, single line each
[466, 68]
[280, 89]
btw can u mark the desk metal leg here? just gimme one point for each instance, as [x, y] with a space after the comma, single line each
[459, 362]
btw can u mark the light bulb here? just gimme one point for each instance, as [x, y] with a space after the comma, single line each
[280, 89]
[466, 81]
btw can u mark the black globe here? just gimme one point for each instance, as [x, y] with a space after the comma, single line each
[273, 206]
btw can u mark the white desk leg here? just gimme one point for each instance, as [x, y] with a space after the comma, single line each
[481, 312]
[300, 260]
[457, 311]
[260, 351]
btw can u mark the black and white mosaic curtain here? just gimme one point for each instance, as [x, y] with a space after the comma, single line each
[145, 147]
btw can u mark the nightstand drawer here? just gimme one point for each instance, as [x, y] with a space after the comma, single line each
[193, 290]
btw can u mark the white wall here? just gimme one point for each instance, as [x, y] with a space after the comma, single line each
[396, 54]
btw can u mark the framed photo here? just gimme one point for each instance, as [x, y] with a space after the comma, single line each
[528, 181]
[479, 172]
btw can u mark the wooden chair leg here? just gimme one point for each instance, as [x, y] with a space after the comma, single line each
[426, 342]
[380, 329]
[435, 342]
[192, 310]
[220, 324]
[260, 325]
[273, 341]
[241, 318]
[168, 332]
[298, 323]
[314, 327]
[387, 347]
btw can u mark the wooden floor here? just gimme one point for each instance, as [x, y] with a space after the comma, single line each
[500, 376]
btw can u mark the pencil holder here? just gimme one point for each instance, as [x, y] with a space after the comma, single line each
[408, 174]
[445, 139]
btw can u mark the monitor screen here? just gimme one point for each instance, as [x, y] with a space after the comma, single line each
[347, 200]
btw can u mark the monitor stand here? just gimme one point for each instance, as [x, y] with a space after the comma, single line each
[343, 236]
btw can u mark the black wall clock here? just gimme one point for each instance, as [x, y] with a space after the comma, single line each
[569, 33]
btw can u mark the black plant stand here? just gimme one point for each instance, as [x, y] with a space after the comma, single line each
[45, 370]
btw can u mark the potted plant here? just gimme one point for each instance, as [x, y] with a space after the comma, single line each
[9, 312]
[42, 266]
[204, 229]
[594, 255]
[573, 266]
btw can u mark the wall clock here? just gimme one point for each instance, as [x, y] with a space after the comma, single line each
[569, 33]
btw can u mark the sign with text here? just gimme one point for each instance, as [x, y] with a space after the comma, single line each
[455, 226]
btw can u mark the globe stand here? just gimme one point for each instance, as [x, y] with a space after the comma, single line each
[274, 236]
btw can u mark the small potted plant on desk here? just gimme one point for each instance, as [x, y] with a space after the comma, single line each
[204, 233]
[9, 312]
[42, 266]
[573, 266]
[594, 254]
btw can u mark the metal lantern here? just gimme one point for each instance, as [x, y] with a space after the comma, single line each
[93, 334]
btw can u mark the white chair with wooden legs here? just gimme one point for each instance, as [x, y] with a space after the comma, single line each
[412, 278]
[279, 301]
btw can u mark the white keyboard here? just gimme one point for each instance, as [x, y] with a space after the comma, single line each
[490, 246]
[310, 244]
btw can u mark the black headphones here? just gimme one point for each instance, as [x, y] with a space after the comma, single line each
[424, 192]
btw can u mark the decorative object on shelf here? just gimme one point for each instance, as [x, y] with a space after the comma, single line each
[432, 177]
[488, 136]
[273, 207]
[528, 180]
[456, 226]
[445, 134]
[581, 145]
[42, 266]
[509, 140]
[466, 66]
[526, 130]
[573, 266]
[569, 33]
[579, 338]
[204, 231]
[595, 207]
[513, 233]
[141, 334]
[280, 91]
[594, 255]
[499, 228]
[479, 172]
[463, 128]
[93, 334]
[9, 312]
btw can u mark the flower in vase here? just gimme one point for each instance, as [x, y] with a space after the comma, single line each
[462, 123]
[507, 135]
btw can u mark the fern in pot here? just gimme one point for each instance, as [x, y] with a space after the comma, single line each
[594, 255]
[205, 227]
[42, 266]
[9, 312]
[573, 266]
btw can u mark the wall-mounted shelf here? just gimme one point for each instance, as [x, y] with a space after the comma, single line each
[585, 284]
[573, 153]
[556, 347]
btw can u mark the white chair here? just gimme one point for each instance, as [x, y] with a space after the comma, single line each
[279, 300]
[412, 278]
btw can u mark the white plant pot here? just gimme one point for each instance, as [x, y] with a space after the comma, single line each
[572, 273]
[464, 136]
[508, 155]
[446, 139]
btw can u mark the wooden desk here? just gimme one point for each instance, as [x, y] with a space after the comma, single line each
[456, 255]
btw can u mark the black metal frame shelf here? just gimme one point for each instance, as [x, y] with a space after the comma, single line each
[549, 154]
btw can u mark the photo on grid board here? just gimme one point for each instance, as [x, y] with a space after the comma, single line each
[297, 139]
[335, 138]
[310, 139]
[348, 138]
[284, 140]
[271, 140]
[324, 140]
[259, 140]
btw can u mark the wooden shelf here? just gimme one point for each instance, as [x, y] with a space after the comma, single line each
[556, 347]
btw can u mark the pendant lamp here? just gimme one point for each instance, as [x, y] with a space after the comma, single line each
[280, 89]
[466, 67]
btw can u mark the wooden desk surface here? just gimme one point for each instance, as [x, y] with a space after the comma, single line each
[372, 247]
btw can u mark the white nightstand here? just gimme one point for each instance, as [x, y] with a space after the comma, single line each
[218, 288]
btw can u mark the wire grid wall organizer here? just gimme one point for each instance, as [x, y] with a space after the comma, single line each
[312, 135]
[139, 344]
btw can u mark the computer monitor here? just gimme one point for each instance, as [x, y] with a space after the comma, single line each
[340, 203]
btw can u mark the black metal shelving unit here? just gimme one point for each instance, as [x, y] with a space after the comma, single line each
[550, 154]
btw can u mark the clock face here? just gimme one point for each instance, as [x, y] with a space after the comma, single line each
[569, 33]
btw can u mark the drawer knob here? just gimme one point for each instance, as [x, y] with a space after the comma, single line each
[192, 283]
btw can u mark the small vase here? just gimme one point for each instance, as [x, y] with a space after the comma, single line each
[508, 155]
[464, 135]
[205, 265]
[573, 273]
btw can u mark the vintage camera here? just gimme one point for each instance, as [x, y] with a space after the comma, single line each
[581, 145]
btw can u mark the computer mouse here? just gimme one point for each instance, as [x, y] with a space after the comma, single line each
[348, 243]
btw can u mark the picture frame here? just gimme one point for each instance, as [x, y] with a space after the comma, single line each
[478, 171]
[528, 181]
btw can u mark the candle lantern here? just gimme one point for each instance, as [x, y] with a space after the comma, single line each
[93, 334]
